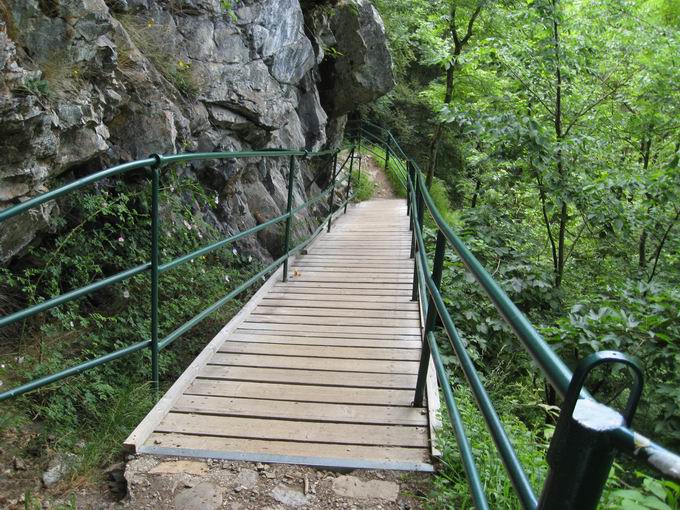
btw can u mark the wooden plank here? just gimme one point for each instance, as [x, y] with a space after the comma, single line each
[403, 253]
[210, 444]
[330, 277]
[361, 299]
[363, 353]
[265, 309]
[148, 424]
[348, 268]
[300, 410]
[325, 340]
[316, 329]
[337, 305]
[313, 377]
[300, 392]
[282, 430]
[326, 286]
[289, 289]
[366, 245]
[369, 322]
[319, 364]
[357, 267]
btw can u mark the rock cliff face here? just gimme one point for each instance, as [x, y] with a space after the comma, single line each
[86, 84]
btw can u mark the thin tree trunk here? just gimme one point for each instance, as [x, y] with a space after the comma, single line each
[659, 248]
[645, 148]
[546, 221]
[458, 45]
[478, 186]
[559, 136]
[439, 128]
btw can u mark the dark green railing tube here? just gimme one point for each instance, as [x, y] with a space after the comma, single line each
[349, 179]
[430, 321]
[332, 195]
[466, 455]
[155, 263]
[289, 220]
[414, 193]
[417, 243]
[387, 150]
[360, 157]
[555, 370]
[409, 185]
[75, 370]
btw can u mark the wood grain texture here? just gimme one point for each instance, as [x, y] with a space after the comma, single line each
[323, 367]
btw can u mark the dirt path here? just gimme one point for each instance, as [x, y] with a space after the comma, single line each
[376, 171]
[210, 485]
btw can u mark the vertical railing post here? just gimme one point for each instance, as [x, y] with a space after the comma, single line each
[409, 184]
[431, 319]
[416, 191]
[414, 241]
[330, 199]
[349, 179]
[155, 262]
[387, 150]
[289, 219]
[359, 157]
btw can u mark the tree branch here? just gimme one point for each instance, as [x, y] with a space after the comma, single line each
[471, 22]
[454, 30]
[659, 248]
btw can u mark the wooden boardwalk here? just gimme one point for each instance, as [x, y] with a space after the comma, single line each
[320, 370]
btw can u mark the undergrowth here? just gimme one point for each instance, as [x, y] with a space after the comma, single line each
[396, 172]
[101, 233]
[363, 187]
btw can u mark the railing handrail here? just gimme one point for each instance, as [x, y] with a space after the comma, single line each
[567, 486]
[155, 162]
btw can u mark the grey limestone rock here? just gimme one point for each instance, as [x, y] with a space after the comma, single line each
[93, 83]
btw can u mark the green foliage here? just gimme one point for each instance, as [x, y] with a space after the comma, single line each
[560, 156]
[648, 494]
[151, 39]
[642, 319]
[102, 233]
[450, 487]
[182, 78]
[37, 87]
[362, 186]
[395, 167]
[228, 7]
[33, 503]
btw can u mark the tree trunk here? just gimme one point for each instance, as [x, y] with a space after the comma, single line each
[458, 45]
[559, 136]
[439, 128]
[478, 186]
[645, 149]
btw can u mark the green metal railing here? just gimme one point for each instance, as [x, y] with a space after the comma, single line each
[588, 434]
[153, 164]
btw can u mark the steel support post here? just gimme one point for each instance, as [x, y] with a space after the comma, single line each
[431, 319]
[289, 220]
[349, 179]
[332, 195]
[155, 262]
[409, 183]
